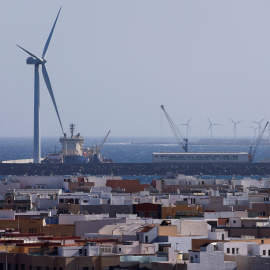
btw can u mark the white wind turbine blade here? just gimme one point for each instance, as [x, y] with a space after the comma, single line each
[47, 81]
[261, 120]
[232, 120]
[29, 53]
[50, 36]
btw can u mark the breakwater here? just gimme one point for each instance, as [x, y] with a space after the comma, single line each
[136, 169]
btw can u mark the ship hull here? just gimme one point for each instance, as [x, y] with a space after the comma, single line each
[76, 159]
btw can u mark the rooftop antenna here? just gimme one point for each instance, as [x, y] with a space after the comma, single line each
[259, 124]
[37, 61]
[234, 128]
[211, 128]
[187, 125]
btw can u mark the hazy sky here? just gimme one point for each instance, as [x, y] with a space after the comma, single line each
[113, 63]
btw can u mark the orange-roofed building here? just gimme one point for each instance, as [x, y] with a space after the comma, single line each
[129, 186]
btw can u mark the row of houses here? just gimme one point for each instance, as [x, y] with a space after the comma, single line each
[88, 222]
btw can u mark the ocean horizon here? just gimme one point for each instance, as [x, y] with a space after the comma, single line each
[130, 149]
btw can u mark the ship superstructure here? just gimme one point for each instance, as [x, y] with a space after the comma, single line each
[72, 147]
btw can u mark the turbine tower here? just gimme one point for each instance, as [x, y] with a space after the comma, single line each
[259, 125]
[234, 128]
[211, 128]
[187, 125]
[37, 61]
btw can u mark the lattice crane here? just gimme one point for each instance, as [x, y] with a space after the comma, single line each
[181, 140]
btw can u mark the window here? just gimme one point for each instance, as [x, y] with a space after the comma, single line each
[9, 201]
[196, 256]
[234, 221]
[32, 230]
[80, 251]
[228, 250]
[232, 250]
[268, 252]
[237, 250]
[119, 249]
[264, 252]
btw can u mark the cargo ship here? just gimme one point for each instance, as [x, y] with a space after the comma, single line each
[73, 150]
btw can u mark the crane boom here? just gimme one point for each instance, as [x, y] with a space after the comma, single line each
[253, 153]
[177, 134]
[104, 140]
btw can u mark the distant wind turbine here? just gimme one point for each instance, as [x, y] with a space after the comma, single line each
[259, 124]
[37, 61]
[211, 128]
[187, 125]
[234, 128]
[255, 133]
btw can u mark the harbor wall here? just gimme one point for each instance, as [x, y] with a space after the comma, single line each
[136, 169]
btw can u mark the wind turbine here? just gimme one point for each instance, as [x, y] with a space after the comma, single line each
[234, 128]
[211, 128]
[37, 61]
[255, 133]
[187, 125]
[259, 124]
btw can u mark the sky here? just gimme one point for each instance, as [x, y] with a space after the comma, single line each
[113, 63]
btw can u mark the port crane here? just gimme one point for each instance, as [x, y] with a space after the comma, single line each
[253, 152]
[183, 142]
[103, 141]
[94, 152]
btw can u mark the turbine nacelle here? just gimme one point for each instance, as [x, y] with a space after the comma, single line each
[34, 61]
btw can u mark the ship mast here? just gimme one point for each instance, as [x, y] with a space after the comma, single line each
[72, 128]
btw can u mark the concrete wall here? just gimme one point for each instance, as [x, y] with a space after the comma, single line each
[249, 262]
[193, 227]
[93, 226]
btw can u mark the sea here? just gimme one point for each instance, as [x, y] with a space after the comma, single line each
[127, 149]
